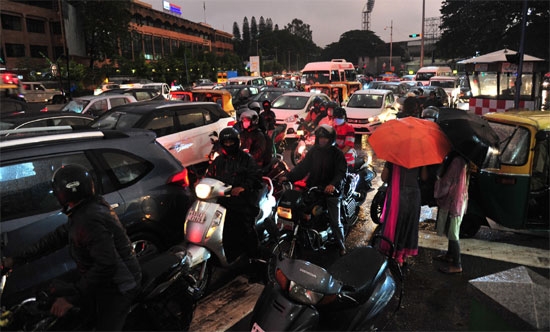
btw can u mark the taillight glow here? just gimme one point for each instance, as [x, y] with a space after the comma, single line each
[282, 280]
[181, 178]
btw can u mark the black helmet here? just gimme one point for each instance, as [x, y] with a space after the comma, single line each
[266, 103]
[255, 106]
[230, 134]
[250, 115]
[339, 112]
[430, 113]
[326, 131]
[317, 101]
[72, 184]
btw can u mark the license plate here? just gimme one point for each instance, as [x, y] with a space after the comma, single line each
[256, 328]
[196, 216]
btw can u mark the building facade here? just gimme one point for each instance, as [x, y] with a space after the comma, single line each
[32, 30]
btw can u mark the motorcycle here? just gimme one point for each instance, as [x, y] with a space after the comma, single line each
[306, 139]
[303, 217]
[278, 136]
[205, 222]
[166, 301]
[353, 294]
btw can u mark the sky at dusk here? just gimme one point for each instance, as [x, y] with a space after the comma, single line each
[328, 19]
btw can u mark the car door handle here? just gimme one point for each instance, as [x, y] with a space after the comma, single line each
[115, 205]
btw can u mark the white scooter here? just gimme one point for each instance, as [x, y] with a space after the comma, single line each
[205, 222]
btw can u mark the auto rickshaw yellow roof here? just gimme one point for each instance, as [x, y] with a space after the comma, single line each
[538, 119]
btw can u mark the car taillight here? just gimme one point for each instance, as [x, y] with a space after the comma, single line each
[180, 178]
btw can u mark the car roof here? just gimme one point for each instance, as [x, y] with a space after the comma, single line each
[101, 96]
[372, 92]
[153, 105]
[538, 119]
[18, 119]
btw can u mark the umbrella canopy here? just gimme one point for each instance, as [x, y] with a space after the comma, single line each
[410, 142]
[470, 135]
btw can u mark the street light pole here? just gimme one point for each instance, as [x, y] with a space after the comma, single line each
[422, 35]
[391, 42]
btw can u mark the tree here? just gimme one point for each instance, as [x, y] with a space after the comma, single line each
[104, 23]
[354, 44]
[262, 25]
[246, 38]
[471, 26]
[299, 29]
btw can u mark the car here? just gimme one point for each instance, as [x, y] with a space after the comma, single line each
[289, 84]
[163, 88]
[12, 106]
[36, 92]
[97, 105]
[271, 93]
[247, 80]
[184, 128]
[399, 89]
[451, 85]
[146, 186]
[49, 119]
[141, 94]
[422, 94]
[367, 109]
[290, 107]
[241, 94]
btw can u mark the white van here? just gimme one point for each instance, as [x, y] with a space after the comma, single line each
[247, 80]
[425, 73]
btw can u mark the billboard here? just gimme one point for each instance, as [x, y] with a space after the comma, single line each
[173, 9]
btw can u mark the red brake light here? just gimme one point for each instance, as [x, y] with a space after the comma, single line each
[181, 178]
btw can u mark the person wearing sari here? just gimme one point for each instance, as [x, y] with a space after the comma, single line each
[401, 211]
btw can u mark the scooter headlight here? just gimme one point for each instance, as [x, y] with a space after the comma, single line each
[303, 295]
[203, 190]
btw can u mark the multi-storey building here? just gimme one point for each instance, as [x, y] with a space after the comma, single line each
[31, 30]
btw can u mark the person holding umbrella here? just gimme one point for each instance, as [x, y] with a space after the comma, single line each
[451, 193]
[408, 145]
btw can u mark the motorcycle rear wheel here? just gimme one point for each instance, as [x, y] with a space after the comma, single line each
[376, 206]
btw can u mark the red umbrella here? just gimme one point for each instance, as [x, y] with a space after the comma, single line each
[410, 142]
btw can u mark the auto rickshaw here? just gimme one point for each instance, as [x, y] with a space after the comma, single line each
[220, 96]
[514, 197]
[338, 92]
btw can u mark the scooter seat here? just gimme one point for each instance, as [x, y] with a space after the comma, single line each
[359, 269]
[153, 268]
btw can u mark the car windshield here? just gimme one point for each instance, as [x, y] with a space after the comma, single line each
[290, 102]
[365, 101]
[116, 120]
[443, 84]
[75, 106]
[514, 143]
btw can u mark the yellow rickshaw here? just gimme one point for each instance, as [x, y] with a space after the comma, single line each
[222, 97]
[515, 196]
[337, 92]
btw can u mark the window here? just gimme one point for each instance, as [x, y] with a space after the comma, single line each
[37, 51]
[26, 188]
[190, 120]
[15, 50]
[514, 143]
[127, 169]
[35, 26]
[11, 22]
[118, 101]
[162, 125]
[55, 28]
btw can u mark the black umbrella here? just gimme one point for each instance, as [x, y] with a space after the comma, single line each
[470, 135]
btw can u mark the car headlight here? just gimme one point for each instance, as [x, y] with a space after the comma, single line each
[373, 118]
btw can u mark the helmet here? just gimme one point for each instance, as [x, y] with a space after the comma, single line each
[326, 131]
[331, 105]
[339, 112]
[317, 101]
[255, 106]
[71, 184]
[266, 103]
[230, 134]
[252, 116]
[430, 113]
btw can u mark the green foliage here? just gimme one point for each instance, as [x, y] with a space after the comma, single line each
[354, 44]
[486, 26]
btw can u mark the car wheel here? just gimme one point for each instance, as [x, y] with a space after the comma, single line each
[470, 225]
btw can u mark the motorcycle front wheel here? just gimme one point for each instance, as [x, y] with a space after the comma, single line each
[298, 153]
[201, 284]
[376, 206]
[279, 250]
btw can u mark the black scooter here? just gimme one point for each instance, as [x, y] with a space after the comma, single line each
[352, 294]
[165, 302]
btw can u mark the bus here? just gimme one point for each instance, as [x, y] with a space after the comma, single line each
[335, 70]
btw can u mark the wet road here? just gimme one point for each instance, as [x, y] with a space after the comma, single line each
[431, 301]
